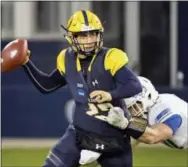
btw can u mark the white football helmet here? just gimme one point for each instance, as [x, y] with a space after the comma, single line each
[138, 105]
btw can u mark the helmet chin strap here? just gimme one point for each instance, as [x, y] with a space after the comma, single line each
[83, 52]
[81, 56]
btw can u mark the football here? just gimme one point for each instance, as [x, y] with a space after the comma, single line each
[13, 55]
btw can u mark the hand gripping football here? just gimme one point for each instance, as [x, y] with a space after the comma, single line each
[13, 55]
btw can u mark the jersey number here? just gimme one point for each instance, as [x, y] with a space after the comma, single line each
[94, 110]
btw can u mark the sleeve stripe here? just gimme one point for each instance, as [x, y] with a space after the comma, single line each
[47, 90]
[163, 115]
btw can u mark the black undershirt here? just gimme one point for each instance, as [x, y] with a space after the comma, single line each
[85, 64]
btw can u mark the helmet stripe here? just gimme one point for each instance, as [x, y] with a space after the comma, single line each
[85, 17]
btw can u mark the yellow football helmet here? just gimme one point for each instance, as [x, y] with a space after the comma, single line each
[84, 22]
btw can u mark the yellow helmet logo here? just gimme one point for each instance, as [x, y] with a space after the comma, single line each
[82, 21]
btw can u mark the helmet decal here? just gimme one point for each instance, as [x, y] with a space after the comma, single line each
[85, 17]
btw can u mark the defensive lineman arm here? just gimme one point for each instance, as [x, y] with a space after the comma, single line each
[156, 133]
[153, 135]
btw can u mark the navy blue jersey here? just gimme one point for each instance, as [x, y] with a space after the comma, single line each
[106, 71]
[100, 72]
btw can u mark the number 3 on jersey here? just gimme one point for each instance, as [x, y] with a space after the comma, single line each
[94, 110]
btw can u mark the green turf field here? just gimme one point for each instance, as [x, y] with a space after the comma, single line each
[143, 157]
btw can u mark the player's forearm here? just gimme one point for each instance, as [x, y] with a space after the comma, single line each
[43, 82]
[150, 136]
[156, 134]
[127, 84]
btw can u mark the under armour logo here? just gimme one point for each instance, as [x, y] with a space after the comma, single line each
[99, 146]
[95, 82]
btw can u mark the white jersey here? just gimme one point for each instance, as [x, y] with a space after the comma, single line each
[167, 106]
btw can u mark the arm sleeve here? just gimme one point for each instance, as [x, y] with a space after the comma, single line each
[173, 122]
[127, 84]
[45, 83]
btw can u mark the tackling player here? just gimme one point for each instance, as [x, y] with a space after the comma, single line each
[98, 80]
[167, 117]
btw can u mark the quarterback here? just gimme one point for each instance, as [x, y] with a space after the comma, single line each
[167, 116]
[86, 67]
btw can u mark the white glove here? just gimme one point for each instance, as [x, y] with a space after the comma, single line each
[116, 118]
[87, 156]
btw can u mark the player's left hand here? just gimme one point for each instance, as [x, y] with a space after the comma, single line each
[100, 96]
[116, 118]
